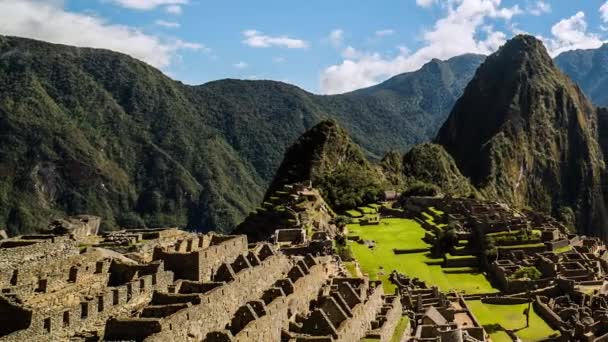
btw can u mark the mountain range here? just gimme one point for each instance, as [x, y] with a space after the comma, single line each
[522, 133]
[87, 130]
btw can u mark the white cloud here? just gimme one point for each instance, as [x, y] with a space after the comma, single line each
[257, 39]
[45, 21]
[167, 24]
[570, 34]
[463, 29]
[384, 33]
[336, 37]
[604, 12]
[425, 3]
[539, 8]
[241, 65]
[174, 9]
[352, 53]
[148, 4]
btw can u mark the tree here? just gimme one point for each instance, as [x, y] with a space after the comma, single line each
[529, 273]
[527, 310]
[446, 240]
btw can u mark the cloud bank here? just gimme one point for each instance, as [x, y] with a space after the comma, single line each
[50, 22]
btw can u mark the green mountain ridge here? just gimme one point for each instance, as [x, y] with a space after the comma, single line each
[94, 131]
[326, 156]
[524, 133]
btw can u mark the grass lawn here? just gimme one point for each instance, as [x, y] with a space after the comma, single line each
[400, 329]
[350, 267]
[436, 211]
[353, 213]
[367, 210]
[407, 234]
[492, 317]
[563, 249]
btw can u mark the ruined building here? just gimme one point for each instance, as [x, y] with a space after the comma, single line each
[70, 284]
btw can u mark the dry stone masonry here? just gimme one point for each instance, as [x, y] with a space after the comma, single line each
[71, 284]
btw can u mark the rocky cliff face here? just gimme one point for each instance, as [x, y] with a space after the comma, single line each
[523, 132]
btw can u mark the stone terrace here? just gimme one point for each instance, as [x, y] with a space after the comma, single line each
[166, 284]
[61, 291]
[437, 316]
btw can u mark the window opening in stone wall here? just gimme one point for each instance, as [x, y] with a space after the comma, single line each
[42, 285]
[73, 274]
[129, 292]
[84, 310]
[47, 324]
[14, 277]
[66, 319]
[99, 267]
[115, 298]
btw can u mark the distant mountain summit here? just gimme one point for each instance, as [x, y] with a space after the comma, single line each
[589, 69]
[523, 132]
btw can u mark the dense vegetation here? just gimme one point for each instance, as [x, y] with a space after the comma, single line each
[524, 133]
[93, 131]
[428, 165]
[326, 156]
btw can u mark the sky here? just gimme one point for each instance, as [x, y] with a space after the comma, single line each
[323, 46]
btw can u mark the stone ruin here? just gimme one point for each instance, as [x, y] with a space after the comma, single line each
[578, 314]
[434, 315]
[171, 285]
[571, 294]
[79, 227]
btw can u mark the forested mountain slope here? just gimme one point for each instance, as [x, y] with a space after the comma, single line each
[94, 131]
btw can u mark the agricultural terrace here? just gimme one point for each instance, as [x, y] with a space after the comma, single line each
[399, 233]
[496, 318]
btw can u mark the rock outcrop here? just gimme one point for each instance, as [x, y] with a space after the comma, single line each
[525, 133]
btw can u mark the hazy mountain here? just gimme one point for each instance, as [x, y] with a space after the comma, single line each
[589, 69]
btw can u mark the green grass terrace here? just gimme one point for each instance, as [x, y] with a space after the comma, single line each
[496, 318]
[395, 233]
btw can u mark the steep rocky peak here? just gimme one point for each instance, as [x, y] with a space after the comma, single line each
[523, 132]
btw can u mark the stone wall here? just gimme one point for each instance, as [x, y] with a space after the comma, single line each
[87, 302]
[504, 300]
[279, 304]
[209, 311]
[25, 253]
[387, 319]
[200, 265]
[547, 314]
[356, 328]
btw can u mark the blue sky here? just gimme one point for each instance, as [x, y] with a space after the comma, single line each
[329, 46]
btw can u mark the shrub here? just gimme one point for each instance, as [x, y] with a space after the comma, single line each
[422, 189]
[531, 273]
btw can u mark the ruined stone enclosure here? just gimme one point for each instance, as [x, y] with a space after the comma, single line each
[70, 284]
